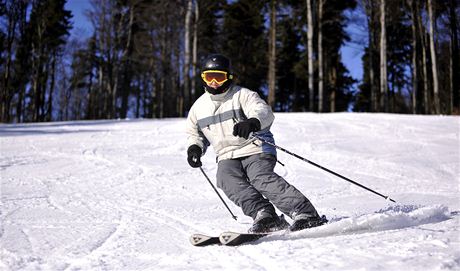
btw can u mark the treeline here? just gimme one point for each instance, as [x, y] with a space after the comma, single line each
[142, 58]
[411, 63]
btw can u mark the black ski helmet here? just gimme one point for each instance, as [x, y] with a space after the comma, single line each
[221, 63]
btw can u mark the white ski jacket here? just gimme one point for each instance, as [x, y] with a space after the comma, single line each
[212, 117]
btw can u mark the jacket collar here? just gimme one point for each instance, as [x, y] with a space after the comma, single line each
[223, 96]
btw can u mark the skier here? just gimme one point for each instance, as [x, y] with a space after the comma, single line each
[224, 117]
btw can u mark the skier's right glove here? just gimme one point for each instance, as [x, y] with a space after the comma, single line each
[193, 156]
[246, 127]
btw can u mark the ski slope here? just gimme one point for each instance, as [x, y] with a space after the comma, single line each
[119, 195]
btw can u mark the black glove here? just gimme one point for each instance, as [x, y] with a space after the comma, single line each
[245, 127]
[193, 156]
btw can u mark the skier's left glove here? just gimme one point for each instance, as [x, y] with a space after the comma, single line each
[245, 127]
[193, 156]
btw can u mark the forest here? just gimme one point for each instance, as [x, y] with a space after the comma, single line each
[143, 57]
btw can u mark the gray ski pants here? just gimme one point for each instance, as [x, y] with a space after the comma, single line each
[251, 183]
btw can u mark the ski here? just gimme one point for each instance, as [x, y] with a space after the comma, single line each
[236, 238]
[226, 238]
[201, 240]
[230, 238]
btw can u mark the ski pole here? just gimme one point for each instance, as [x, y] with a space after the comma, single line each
[323, 168]
[213, 187]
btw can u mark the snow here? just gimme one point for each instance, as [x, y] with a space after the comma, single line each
[119, 195]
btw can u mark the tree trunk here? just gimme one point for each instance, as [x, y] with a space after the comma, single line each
[103, 65]
[424, 72]
[120, 62]
[434, 70]
[44, 86]
[310, 54]
[185, 99]
[455, 58]
[49, 110]
[383, 60]
[426, 93]
[36, 86]
[334, 88]
[101, 88]
[194, 52]
[177, 110]
[20, 105]
[320, 56]
[369, 6]
[91, 100]
[414, 13]
[126, 64]
[6, 93]
[164, 63]
[22, 85]
[272, 56]
[372, 72]
[154, 90]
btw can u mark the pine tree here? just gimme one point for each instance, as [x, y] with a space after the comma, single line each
[48, 30]
[338, 83]
[288, 95]
[244, 42]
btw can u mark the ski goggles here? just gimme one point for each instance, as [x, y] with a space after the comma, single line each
[219, 77]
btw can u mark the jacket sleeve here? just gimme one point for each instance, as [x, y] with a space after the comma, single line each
[255, 107]
[194, 134]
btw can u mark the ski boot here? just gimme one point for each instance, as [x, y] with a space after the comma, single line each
[268, 222]
[305, 221]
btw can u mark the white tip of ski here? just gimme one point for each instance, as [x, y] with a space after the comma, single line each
[203, 240]
[235, 238]
[227, 237]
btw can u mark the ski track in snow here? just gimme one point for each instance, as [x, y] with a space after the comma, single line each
[119, 195]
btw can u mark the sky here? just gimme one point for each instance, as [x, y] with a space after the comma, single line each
[81, 24]
[351, 51]
[351, 57]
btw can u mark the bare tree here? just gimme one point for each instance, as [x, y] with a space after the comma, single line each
[310, 54]
[320, 56]
[195, 49]
[383, 60]
[369, 7]
[455, 57]
[414, 15]
[37, 69]
[13, 14]
[333, 95]
[22, 58]
[102, 26]
[272, 56]
[424, 71]
[434, 70]
[185, 99]
[113, 31]
[126, 43]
